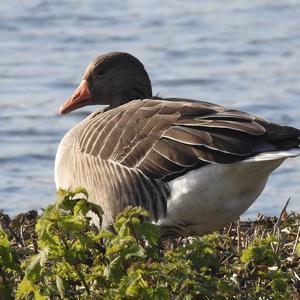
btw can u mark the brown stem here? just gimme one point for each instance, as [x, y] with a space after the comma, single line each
[280, 216]
[296, 241]
[239, 236]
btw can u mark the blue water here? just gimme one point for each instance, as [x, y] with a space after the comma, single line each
[241, 54]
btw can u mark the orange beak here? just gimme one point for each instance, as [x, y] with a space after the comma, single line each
[81, 97]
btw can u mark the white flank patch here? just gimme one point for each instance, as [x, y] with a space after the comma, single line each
[208, 198]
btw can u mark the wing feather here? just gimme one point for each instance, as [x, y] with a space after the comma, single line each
[188, 136]
[165, 138]
[176, 152]
[252, 128]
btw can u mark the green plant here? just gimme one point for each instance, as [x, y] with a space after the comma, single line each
[71, 258]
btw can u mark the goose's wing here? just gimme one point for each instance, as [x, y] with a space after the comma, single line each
[166, 138]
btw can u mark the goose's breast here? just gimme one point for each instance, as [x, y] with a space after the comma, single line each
[208, 198]
[109, 184]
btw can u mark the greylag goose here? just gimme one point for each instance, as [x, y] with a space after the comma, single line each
[195, 166]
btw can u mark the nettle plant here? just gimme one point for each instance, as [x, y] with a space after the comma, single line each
[68, 257]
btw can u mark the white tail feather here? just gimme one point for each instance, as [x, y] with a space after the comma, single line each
[274, 155]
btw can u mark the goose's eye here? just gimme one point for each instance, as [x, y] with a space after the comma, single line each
[99, 72]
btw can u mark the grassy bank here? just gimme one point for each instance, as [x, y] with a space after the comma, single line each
[61, 255]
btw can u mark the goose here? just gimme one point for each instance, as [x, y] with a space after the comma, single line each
[194, 165]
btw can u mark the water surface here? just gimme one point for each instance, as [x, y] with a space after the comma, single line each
[241, 54]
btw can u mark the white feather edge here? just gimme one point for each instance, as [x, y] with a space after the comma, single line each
[273, 155]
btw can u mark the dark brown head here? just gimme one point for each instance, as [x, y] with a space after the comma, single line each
[114, 78]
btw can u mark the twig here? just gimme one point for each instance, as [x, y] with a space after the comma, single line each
[22, 236]
[280, 216]
[296, 241]
[228, 233]
[238, 237]
[227, 259]
[230, 228]
[263, 232]
[259, 217]
[291, 214]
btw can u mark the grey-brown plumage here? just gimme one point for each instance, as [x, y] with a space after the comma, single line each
[164, 139]
[128, 154]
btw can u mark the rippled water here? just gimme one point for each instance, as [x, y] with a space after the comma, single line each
[242, 54]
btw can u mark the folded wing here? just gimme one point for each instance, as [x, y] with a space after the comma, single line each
[165, 138]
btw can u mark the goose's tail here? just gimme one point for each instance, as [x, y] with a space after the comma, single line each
[274, 155]
[281, 142]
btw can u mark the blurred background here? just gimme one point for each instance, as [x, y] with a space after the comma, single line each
[241, 54]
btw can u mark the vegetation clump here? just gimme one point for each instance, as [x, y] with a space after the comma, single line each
[63, 255]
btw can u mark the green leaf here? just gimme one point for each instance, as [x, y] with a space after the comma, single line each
[81, 207]
[135, 285]
[3, 239]
[60, 286]
[71, 224]
[159, 293]
[96, 209]
[33, 271]
[25, 288]
[39, 296]
[149, 232]
[6, 257]
[6, 253]
[81, 190]
[113, 271]
[298, 250]
[67, 204]
[261, 252]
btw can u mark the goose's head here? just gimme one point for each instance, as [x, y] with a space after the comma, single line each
[113, 79]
